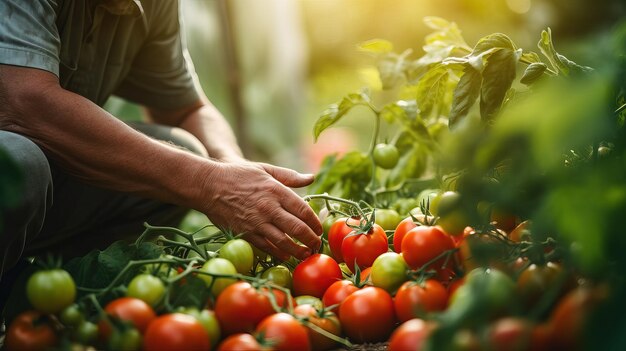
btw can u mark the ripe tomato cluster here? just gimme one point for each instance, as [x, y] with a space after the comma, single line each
[410, 287]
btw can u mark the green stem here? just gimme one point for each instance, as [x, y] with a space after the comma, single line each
[325, 196]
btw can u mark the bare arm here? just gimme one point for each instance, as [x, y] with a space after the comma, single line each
[92, 144]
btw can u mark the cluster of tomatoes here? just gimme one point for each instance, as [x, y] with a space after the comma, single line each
[405, 284]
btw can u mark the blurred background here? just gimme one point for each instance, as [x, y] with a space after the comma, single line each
[273, 66]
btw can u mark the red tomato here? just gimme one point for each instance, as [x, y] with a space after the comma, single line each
[363, 249]
[131, 309]
[325, 320]
[535, 280]
[337, 232]
[416, 300]
[404, 227]
[455, 284]
[315, 274]
[366, 276]
[423, 244]
[338, 292]
[367, 315]
[410, 335]
[240, 307]
[176, 331]
[510, 334]
[240, 342]
[284, 332]
[27, 333]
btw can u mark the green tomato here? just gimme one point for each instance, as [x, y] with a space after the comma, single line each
[208, 320]
[86, 332]
[309, 300]
[387, 218]
[452, 217]
[389, 271]
[240, 253]
[386, 156]
[125, 340]
[218, 265]
[279, 275]
[51, 290]
[146, 287]
[71, 316]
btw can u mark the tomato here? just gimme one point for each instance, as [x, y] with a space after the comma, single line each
[503, 219]
[208, 320]
[323, 319]
[389, 271]
[146, 287]
[363, 249]
[452, 216]
[337, 232]
[284, 332]
[388, 219]
[240, 342]
[454, 285]
[176, 331]
[217, 265]
[521, 232]
[336, 293]
[411, 335]
[315, 274]
[367, 315]
[509, 334]
[386, 155]
[86, 332]
[425, 243]
[51, 290]
[309, 300]
[131, 309]
[239, 252]
[401, 229]
[240, 307]
[127, 340]
[536, 280]
[30, 331]
[71, 316]
[415, 300]
[366, 276]
[279, 275]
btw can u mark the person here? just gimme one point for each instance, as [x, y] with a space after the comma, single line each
[90, 178]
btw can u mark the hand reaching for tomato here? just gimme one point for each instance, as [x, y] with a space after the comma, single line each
[255, 199]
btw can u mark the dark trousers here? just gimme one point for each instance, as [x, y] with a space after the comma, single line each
[61, 214]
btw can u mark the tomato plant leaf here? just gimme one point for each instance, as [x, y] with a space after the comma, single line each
[392, 69]
[530, 57]
[498, 76]
[376, 46]
[191, 292]
[533, 72]
[431, 89]
[345, 177]
[412, 164]
[399, 110]
[465, 95]
[336, 111]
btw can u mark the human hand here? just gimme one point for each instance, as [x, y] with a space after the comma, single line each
[255, 199]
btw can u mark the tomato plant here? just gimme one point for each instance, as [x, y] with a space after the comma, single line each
[315, 274]
[362, 249]
[29, 331]
[146, 287]
[284, 332]
[367, 315]
[51, 290]
[176, 331]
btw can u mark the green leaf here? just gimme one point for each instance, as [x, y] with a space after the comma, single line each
[465, 95]
[392, 69]
[530, 57]
[411, 165]
[547, 49]
[431, 89]
[399, 110]
[191, 292]
[533, 72]
[493, 41]
[498, 77]
[348, 176]
[437, 23]
[376, 46]
[334, 112]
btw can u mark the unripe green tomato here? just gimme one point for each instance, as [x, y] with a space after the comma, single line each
[86, 332]
[389, 271]
[309, 300]
[386, 156]
[388, 219]
[146, 287]
[71, 316]
[218, 265]
[125, 340]
[279, 275]
[240, 253]
[51, 290]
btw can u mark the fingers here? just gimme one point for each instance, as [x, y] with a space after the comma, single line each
[261, 243]
[288, 176]
[294, 227]
[282, 242]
